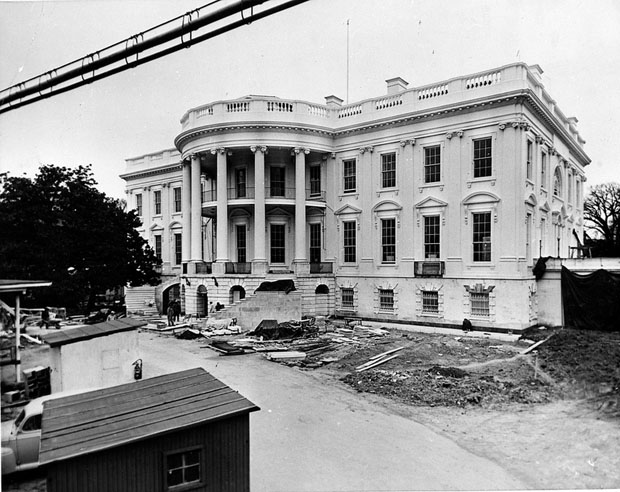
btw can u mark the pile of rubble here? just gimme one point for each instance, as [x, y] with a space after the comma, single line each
[309, 342]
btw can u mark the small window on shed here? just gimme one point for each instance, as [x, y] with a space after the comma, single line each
[183, 468]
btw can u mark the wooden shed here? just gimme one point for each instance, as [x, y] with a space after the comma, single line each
[177, 432]
[93, 356]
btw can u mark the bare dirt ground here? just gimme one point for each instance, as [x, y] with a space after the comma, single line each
[551, 416]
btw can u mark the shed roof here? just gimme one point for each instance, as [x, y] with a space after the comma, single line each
[86, 332]
[12, 285]
[111, 417]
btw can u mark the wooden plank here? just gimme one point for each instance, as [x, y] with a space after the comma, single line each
[373, 359]
[96, 430]
[134, 391]
[536, 345]
[378, 363]
[58, 425]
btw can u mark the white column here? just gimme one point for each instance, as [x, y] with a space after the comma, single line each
[187, 212]
[259, 203]
[300, 204]
[196, 235]
[222, 206]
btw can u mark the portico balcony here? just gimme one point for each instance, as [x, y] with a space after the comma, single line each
[321, 267]
[238, 268]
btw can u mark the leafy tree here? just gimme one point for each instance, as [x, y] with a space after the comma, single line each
[602, 214]
[59, 227]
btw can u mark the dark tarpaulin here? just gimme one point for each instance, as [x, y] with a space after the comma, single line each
[591, 301]
[279, 285]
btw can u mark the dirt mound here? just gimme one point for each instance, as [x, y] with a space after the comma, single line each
[458, 371]
[430, 387]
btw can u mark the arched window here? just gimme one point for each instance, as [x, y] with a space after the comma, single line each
[557, 182]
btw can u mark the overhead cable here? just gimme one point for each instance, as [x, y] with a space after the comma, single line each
[164, 39]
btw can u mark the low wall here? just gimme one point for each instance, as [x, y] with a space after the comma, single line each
[264, 305]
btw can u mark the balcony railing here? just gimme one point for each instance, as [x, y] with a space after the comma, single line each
[234, 267]
[322, 267]
[240, 192]
[248, 192]
[205, 268]
[209, 196]
[279, 192]
[315, 195]
[429, 268]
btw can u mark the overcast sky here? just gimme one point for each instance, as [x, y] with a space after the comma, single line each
[298, 54]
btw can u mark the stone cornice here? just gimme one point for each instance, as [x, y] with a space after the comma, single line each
[144, 173]
[526, 96]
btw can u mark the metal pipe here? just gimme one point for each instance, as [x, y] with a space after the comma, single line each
[133, 46]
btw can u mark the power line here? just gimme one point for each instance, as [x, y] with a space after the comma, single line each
[138, 49]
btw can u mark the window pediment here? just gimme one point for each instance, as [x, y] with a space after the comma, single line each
[347, 210]
[386, 206]
[531, 200]
[480, 197]
[545, 207]
[431, 202]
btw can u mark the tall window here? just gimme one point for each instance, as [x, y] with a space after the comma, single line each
[241, 243]
[183, 468]
[388, 170]
[557, 183]
[315, 180]
[543, 169]
[528, 164]
[346, 298]
[349, 241]
[483, 157]
[479, 304]
[315, 243]
[277, 243]
[570, 188]
[388, 240]
[240, 182]
[430, 302]
[157, 238]
[139, 204]
[177, 199]
[482, 236]
[432, 164]
[431, 237]
[157, 200]
[349, 174]
[386, 299]
[277, 180]
[178, 249]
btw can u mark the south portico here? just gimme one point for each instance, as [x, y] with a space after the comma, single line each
[255, 196]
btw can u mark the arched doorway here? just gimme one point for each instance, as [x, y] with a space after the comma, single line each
[202, 301]
[172, 293]
[236, 294]
[321, 300]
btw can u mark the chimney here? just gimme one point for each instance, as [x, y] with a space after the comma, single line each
[536, 72]
[333, 102]
[396, 85]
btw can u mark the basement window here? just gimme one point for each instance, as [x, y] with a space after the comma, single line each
[479, 304]
[430, 302]
[386, 300]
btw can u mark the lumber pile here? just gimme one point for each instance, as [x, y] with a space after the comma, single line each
[379, 359]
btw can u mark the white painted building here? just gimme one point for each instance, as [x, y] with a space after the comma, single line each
[425, 205]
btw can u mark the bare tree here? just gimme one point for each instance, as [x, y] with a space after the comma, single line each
[602, 214]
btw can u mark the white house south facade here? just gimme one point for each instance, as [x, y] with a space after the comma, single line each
[425, 205]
